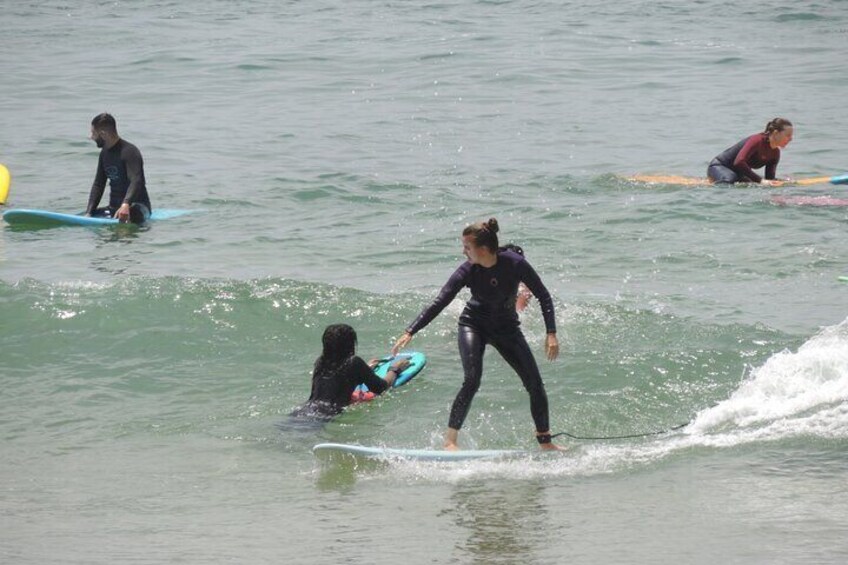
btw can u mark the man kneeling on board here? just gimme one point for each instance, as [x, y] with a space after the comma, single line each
[120, 161]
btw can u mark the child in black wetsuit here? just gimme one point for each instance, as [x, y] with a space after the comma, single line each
[338, 371]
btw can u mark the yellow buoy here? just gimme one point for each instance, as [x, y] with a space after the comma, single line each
[5, 181]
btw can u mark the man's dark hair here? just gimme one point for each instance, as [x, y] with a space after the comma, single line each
[104, 121]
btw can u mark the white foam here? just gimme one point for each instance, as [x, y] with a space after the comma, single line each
[801, 394]
[788, 386]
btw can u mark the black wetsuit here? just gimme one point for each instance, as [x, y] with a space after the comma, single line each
[332, 387]
[489, 317]
[123, 166]
[737, 163]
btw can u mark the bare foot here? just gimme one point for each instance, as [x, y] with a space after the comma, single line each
[552, 447]
[451, 436]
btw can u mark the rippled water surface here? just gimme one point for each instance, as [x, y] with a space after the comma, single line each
[332, 153]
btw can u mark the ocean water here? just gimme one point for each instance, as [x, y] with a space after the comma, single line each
[333, 153]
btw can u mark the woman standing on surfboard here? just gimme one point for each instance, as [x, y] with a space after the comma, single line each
[737, 163]
[490, 317]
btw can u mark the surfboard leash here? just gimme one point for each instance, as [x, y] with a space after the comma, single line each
[628, 436]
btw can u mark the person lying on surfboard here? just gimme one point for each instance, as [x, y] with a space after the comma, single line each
[737, 163]
[490, 317]
[338, 371]
[120, 162]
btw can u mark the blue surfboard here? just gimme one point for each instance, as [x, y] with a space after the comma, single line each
[46, 218]
[417, 361]
[323, 449]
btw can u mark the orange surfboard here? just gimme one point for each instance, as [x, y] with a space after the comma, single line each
[695, 181]
[670, 179]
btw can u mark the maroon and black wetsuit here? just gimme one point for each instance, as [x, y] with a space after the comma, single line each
[737, 163]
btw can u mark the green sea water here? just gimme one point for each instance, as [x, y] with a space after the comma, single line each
[333, 153]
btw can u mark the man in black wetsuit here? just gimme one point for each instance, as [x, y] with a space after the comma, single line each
[120, 162]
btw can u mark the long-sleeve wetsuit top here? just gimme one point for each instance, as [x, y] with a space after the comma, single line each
[751, 153]
[332, 387]
[123, 166]
[493, 294]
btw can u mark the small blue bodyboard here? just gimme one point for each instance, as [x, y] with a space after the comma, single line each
[417, 361]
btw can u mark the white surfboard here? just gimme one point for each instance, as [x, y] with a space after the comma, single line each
[416, 454]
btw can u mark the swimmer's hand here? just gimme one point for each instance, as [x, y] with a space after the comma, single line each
[551, 347]
[123, 213]
[395, 370]
[402, 342]
[399, 365]
[781, 182]
[523, 298]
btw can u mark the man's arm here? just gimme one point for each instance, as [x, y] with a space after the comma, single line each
[97, 188]
[135, 173]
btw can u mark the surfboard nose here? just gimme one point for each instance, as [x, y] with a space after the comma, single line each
[5, 183]
[840, 179]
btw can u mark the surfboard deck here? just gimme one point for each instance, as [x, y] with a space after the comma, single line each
[46, 218]
[703, 181]
[670, 179]
[415, 454]
[417, 361]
